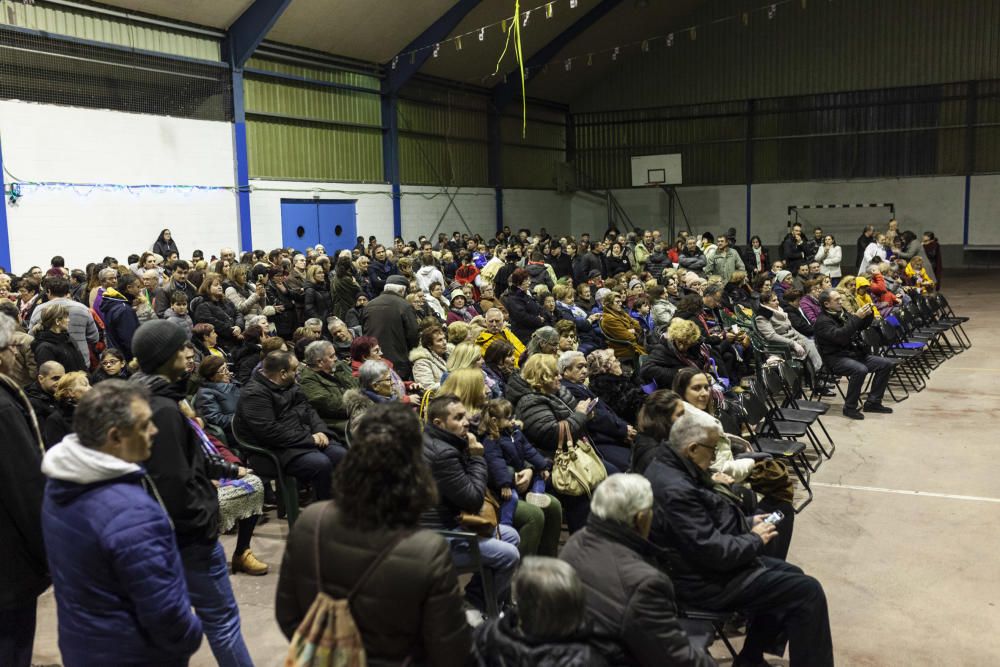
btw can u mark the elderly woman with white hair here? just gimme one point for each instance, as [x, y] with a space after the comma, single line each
[630, 601]
[611, 434]
[718, 557]
[548, 626]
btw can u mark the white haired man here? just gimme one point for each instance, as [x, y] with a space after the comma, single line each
[630, 601]
[715, 553]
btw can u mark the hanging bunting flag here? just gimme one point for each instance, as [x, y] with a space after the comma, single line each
[572, 4]
[771, 11]
[746, 19]
[395, 61]
[569, 64]
[670, 39]
[527, 15]
[645, 46]
[482, 34]
[694, 33]
[413, 57]
[548, 11]
[437, 49]
[590, 59]
[458, 43]
[614, 54]
[503, 25]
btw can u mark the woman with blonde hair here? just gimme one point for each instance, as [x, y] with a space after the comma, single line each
[469, 356]
[69, 390]
[846, 288]
[467, 384]
[680, 347]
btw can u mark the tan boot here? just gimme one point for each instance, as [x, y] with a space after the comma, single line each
[249, 564]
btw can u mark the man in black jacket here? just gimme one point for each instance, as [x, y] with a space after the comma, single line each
[182, 474]
[25, 572]
[836, 339]
[867, 236]
[41, 392]
[391, 320]
[561, 263]
[793, 249]
[715, 555]
[630, 601]
[275, 414]
[456, 460]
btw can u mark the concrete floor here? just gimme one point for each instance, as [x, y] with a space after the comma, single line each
[902, 533]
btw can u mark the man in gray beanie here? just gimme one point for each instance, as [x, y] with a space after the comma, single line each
[183, 476]
[393, 322]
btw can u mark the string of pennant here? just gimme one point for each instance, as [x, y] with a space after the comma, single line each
[522, 19]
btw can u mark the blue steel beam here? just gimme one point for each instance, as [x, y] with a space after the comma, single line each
[505, 93]
[398, 71]
[249, 30]
[418, 50]
[242, 39]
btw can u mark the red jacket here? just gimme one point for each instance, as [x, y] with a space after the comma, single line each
[881, 292]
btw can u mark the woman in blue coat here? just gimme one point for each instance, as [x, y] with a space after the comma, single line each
[120, 589]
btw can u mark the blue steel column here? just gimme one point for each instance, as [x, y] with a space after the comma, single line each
[4, 235]
[242, 160]
[390, 155]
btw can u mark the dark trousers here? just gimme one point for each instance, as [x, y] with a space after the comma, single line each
[17, 634]
[856, 370]
[316, 468]
[785, 604]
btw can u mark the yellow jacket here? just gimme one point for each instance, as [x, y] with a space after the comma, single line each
[925, 280]
[486, 339]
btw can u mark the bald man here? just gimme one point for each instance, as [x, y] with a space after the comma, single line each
[496, 327]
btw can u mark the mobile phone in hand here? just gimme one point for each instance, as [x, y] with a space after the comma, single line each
[774, 518]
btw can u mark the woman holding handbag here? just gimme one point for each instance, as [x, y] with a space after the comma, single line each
[410, 609]
[551, 416]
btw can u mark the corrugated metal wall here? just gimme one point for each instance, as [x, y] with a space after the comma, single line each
[901, 67]
[443, 137]
[822, 47]
[104, 28]
[309, 131]
[532, 161]
[917, 131]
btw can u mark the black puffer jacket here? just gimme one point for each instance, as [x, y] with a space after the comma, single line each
[656, 263]
[223, 316]
[49, 346]
[277, 418]
[179, 468]
[500, 643]
[662, 364]
[318, 302]
[541, 414]
[411, 606]
[24, 575]
[525, 313]
[460, 478]
[630, 601]
[644, 450]
[711, 553]
[837, 334]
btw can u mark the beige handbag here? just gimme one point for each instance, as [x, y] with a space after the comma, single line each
[577, 468]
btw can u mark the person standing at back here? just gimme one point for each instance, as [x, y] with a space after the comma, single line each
[390, 319]
[119, 581]
[183, 473]
[25, 572]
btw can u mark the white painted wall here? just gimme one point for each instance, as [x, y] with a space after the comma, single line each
[922, 204]
[65, 144]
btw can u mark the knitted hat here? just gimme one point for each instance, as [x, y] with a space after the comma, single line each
[155, 342]
[398, 280]
[780, 276]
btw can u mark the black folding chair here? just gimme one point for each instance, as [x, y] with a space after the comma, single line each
[266, 465]
[751, 414]
[716, 619]
[476, 566]
[783, 408]
[870, 338]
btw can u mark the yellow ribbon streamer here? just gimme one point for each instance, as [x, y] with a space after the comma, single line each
[515, 33]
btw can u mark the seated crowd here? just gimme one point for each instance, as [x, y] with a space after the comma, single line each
[432, 391]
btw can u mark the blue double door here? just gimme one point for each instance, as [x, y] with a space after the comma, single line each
[308, 222]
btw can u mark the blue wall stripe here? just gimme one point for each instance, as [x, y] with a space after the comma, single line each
[965, 216]
[242, 159]
[4, 238]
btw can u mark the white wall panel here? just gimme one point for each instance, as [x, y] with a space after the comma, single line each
[44, 143]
